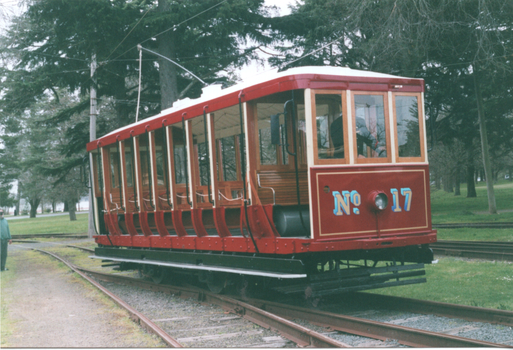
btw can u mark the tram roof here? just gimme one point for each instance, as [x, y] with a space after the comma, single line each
[215, 97]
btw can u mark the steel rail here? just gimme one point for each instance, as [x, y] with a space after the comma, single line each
[51, 235]
[353, 325]
[469, 313]
[502, 251]
[134, 314]
[290, 330]
[372, 329]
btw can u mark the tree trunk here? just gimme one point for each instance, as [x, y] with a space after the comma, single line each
[437, 180]
[471, 186]
[167, 70]
[511, 173]
[71, 207]
[34, 203]
[18, 200]
[492, 207]
[65, 207]
[457, 183]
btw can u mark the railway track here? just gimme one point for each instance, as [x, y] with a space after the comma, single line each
[502, 251]
[273, 315]
[134, 314]
[50, 235]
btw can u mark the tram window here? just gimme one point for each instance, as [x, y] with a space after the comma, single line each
[370, 126]
[329, 122]
[229, 158]
[408, 132]
[144, 158]
[179, 153]
[301, 125]
[128, 166]
[159, 155]
[227, 132]
[271, 154]
[199, 139]
[114, 168]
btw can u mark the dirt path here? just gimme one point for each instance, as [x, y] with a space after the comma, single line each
[49, 306]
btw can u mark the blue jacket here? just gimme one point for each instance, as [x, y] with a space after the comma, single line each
[4, 230]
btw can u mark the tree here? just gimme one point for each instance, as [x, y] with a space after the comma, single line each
[464, 43]
[52, 45]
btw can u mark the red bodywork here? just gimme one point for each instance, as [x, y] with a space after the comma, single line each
[363, 227]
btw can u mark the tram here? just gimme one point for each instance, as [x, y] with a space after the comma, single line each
[314, 179]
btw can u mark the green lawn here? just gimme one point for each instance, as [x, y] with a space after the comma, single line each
[48, 224]
[475, 234]
[465, 282]
[448, 208]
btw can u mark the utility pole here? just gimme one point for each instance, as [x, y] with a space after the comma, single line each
[92, 136]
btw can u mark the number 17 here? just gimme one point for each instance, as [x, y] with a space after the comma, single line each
[407, 193]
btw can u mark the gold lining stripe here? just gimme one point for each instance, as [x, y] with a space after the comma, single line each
[371, 172]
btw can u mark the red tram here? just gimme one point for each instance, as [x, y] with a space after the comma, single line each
[315, 177]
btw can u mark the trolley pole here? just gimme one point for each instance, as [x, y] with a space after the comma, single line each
[92, 136]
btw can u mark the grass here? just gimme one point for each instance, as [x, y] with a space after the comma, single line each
[456, 281]
[7, 326]
[476, 234]
[48, 224]
[448, 208]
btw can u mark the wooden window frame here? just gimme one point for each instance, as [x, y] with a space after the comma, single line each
[343, 95]
[388, 158]
[253, 118]
[420, 108]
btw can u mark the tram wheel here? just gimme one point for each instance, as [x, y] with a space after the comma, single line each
[156, 273]
[216, 282]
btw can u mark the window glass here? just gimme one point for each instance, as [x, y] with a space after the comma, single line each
[271, 154]
[330, 135]
[370, 126]
[301, 125]
[408, 133]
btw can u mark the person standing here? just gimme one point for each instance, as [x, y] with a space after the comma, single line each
[5, 238]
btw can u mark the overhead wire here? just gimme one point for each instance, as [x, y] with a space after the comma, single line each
[171, 28]
[128, 34]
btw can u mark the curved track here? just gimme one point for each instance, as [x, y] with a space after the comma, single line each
[135, 315]
[270, 314]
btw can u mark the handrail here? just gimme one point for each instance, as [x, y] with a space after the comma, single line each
[120, 179]
[268, 188]
[207, 146]
[166, 175]
[134, 179]
[243, 168]
[186, 160]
